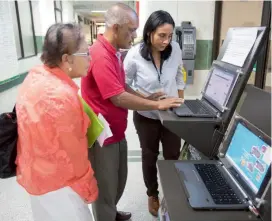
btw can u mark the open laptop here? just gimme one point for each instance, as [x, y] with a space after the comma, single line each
[216, 93]
[234, 181]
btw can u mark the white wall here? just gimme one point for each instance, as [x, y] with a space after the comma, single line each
[43, 15]
[8, 54]
[200, 13]
[7, 98]
[37, 18]
[68, 11]
[143, 15]
[47, 14]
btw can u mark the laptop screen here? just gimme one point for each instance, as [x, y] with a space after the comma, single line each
[219, 87]
[250, 156]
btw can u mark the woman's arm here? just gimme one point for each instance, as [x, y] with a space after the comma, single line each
[180, 76]
[130, 70]
[181, 93]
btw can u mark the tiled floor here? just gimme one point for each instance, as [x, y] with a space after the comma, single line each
[15, 205]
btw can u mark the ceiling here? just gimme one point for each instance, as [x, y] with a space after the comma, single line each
[95, 9]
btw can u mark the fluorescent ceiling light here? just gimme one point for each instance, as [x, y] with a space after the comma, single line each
[98, 11]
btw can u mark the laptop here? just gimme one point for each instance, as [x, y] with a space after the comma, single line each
[237, 179]
[216, 93]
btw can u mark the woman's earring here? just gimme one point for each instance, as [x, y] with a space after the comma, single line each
[70, 69]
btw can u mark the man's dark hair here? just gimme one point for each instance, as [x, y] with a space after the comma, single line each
[155, 20]
[60, 39]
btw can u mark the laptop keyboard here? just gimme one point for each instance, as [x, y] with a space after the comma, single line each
[220, 190]
[196, 107]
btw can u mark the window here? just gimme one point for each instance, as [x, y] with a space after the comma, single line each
[80, 20]
[87, 21]
[24, 29]
[58, 11]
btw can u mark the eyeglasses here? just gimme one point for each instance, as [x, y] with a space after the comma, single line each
[82, 54]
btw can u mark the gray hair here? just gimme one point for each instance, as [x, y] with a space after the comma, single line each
[118, 14]
[60, 39]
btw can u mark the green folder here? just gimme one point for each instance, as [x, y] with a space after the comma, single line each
[96, 127]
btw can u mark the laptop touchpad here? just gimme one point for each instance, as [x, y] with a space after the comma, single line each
[192, 183]
[182, 110]
[190, 176]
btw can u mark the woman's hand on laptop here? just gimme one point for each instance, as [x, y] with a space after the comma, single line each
[168, 103]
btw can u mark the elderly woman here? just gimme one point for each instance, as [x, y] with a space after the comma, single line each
[52, 159]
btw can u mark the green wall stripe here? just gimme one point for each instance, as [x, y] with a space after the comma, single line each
[136, 156]
[39, 43]
[203, 59]
[18, 79]
[134, 160]
[12, 82]
[134, 153]
[137, 153]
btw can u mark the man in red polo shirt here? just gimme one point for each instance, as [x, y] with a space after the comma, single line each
[104, 89]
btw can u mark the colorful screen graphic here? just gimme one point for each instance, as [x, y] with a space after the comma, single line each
[250, 155]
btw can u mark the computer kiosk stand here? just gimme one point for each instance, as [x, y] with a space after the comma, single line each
[206, 134]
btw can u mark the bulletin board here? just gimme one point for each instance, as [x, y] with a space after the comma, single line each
[8, 55]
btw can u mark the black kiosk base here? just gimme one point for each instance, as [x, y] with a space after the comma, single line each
[194, 131]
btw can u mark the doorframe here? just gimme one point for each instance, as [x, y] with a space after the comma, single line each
[262, 62]
[217, 29]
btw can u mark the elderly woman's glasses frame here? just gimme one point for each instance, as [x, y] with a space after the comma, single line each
[82, 54]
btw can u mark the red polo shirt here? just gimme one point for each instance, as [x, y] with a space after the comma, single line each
[105, 79]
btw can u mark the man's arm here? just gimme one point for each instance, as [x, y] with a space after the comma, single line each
[181, 93]
[154, 96]
[110, 88]
[181, 75]
[133, 102]
[131, 91]
[180, 82]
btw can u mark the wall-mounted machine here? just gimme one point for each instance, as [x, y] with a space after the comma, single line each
[186, 37]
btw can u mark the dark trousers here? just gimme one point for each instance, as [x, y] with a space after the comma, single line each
[110, 169]
[151, 132]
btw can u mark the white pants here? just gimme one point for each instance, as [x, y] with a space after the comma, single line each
[60, 205]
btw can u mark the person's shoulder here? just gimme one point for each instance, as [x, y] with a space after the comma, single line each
[97, 50]
[37, 77]
[176, 51]
[51, 83]
[175, 46]
[59, 99]
[134, 51]
[46, 90]
[137, 47]
[95, 45]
